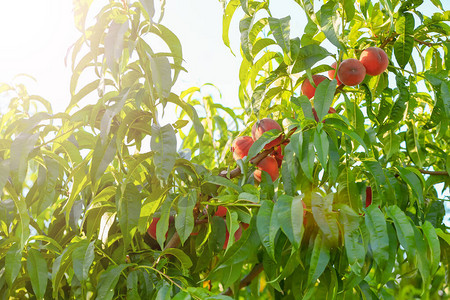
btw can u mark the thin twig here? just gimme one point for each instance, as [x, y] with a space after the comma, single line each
[434, 172]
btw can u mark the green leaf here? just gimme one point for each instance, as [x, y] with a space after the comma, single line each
[433, 242]
[308, 56]
[354, 245]
[414, 183]
[259, 144]
[404, 44]
[163, 225]
[129, 209]
[413, 145]
[184, 221]
[82, 258]
[379, 240]
[330, 23]
[21, 147]
[227, 16]
[174, 45]
[114, 41]
[243, 249]
[245, 26]
[307, 154]
[182, 296]
[164, 145]
[149, 7]
[325, 217]
[345, 129]
[290, 217]
[391, 142]
[101, 158]
[322, 145]
[405, 232]
[224, 182]
[80, 11]
[161, 75]
[87, 89]
[280, 29]
[324, 97]
[232, 225]
[186, 262]
[382, 184]
[108, 281]
[348, 189]
[349, 8]
[22, 230]
[133, 286]
[38, 272]
[110, 113]
[13, 262]
[261, 44]
[267, 225]
[319, 258]
[423, 262]
[4, 174]
[191, 112]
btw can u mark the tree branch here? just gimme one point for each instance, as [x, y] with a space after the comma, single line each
[433, 172]
[258, 268]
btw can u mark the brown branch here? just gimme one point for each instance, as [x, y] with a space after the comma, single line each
[388, 40]
[425, 43]
[434, 172]
[258, 268]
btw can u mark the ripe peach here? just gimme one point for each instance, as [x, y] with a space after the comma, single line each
[331, 110]
[375, 60]
[331, 73]
[221, 211]
[368, 196]
[264, 125]
[240, 147]
[307, 89]
[268, 164]
[351, 72]
[237, 236]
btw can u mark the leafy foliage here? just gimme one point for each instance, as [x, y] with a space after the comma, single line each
[79, 189]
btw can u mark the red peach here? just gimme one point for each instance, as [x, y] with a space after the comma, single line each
[307, 89]
[268, 164]
[240, 147]
[351, 72]
[264, 125]
[375, 60]
[221, 211]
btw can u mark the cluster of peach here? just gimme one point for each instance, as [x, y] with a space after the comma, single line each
[373, 61]
[271, 163]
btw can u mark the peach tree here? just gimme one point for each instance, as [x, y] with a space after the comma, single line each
[310, 189]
